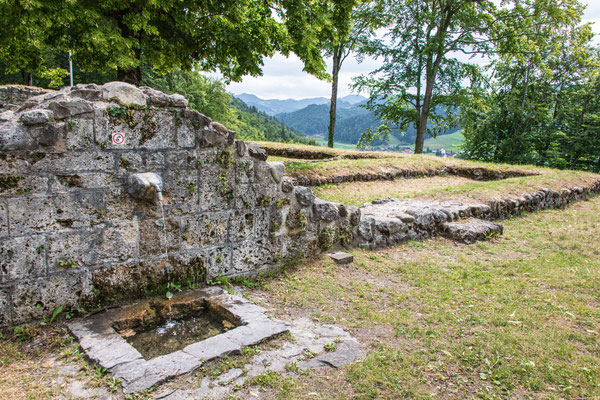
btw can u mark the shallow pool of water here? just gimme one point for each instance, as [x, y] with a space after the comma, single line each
[174, 335]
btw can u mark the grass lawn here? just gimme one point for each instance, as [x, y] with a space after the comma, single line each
[517, 317]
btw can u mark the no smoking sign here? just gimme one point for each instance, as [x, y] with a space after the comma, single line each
[118, 138]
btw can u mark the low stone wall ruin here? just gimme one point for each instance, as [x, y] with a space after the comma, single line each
[75, 233]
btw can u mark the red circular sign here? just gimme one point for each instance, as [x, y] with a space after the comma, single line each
[118, 138]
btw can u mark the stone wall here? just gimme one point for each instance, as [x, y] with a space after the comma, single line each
[75, 232]
[71, 235]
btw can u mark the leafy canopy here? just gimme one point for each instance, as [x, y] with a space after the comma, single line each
[231, 36]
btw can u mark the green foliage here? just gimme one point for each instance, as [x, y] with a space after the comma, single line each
[229, 36]
[208, 96]
[542, 107]
[252, 124]
[68, 263]
[326, 238]
[421, 79]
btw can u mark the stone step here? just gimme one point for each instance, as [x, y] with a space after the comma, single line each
[471, 230]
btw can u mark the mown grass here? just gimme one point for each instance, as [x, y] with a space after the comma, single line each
[517, 317]
[440, 188]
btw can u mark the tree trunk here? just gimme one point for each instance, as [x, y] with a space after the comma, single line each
[333, 104]
[424, 116]
[130, 75]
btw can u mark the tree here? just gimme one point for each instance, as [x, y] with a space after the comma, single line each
[541, 104]
[421, 79]
[231, 36]
[350, 26]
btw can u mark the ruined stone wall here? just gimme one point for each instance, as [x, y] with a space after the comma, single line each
[73, 232]
[71, 235]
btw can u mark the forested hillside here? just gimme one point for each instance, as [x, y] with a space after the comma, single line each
[352, 121]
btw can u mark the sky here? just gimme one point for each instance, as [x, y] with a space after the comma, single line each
[283, 77]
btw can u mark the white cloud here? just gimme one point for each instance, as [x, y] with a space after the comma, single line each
[283, 77]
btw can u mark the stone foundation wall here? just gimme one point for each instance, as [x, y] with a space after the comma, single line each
[73, 232]
[71, 235]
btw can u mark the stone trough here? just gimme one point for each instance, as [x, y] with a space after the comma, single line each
[99, 336]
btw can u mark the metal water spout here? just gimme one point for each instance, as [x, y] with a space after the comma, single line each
[146, 186]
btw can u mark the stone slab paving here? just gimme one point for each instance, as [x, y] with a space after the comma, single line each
[104, 346]
[309, 338]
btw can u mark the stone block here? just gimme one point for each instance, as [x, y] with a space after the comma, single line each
[35, 298]
[152, 237]
[72, 250]
[186, 133]
[262, 174]
[124, 93]
[90, 92]
[304, 195]
[277, 171]
[32, 214]
[262, 222]
[181, 192]
[154, 161]
[35, 117]
[242, 226]
[188, 160]
[324, 211]
[35, 214]
[210, 136]
[15, 136]
[205, 230]
[3, 218]
[251, 256]
[79, 134]
[256, 151]
[22, 257]
[130, 161]
[216, 188]
[212, 348]
[341, 257]
[15, 164]
[471, 230]
[118, 243]
[143, 129]
[69, 108]
[365, 228]
[218, 262]
[244, 171]
[19, 185]
[6, 308]
[65, 182]
[86, 161]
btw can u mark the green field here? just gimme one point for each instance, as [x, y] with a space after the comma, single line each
[448, 142]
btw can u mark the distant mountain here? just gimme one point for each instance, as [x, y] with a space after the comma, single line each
[353, 99]
[351, 122]
[251, 123]
[276, 106]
